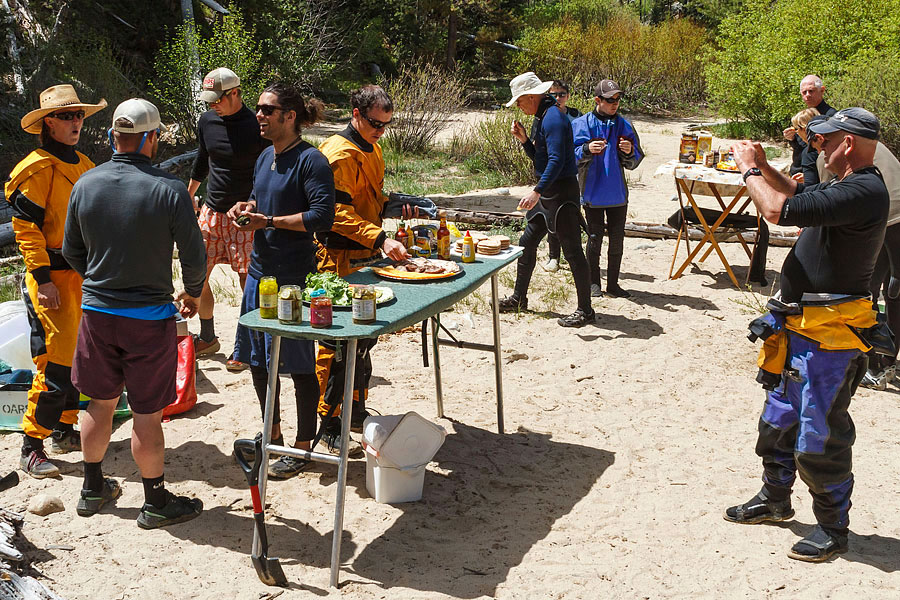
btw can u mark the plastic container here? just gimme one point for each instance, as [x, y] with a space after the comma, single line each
[14, 399]
[398, 448]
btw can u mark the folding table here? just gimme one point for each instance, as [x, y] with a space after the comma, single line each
[695, 180]
[413, 303]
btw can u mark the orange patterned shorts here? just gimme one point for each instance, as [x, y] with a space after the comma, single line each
[225, 243]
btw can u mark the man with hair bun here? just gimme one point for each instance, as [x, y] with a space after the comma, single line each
[229, 144]
[292, 198]
[355, 239]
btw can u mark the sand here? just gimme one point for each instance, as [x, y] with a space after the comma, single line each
[625, 442]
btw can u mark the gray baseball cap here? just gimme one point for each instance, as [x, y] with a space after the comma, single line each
[217, 82]
[855, 120]
[139, 116]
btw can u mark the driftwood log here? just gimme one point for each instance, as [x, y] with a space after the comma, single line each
[13, 585]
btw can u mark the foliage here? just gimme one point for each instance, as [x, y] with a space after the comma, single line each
[175, 84]
[657, 66]
[435, 173]
[424, 99]
[488, 146]
[872, 80]
[766, 49]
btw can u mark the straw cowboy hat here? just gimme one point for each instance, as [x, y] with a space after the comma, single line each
[527, 83]
[53, 99]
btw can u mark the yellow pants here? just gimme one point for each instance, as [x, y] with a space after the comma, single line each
[52, 398]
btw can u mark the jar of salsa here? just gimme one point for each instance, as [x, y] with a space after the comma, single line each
[268, 298]
[320, 310]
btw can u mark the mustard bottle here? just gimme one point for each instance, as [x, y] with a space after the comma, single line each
[468, 248]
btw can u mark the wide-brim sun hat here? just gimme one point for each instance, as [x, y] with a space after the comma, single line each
[54, 98]
[526, 84]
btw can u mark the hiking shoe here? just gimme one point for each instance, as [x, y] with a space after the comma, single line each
[91, 502]
[235, 366]
[616, 292]
[819, 546]
[596, 291]
[359, 417]
[35, 463]
[512, 304]
[877, 379]
[203, 348]
[287, 467]
[551, 266]
[759, 509]
[62, 442]
[332, 441]
[579, 318]
[178, 509]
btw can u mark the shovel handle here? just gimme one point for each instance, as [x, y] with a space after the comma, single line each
[9, 481]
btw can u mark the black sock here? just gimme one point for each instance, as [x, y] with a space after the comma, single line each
[154, 491]
[93, 477]
[207, 329]
[31, 443]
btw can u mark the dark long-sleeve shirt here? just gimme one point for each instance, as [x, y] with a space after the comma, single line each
[801, 149]
[298, 180]
[550, 147]
[124, 217]
[844, 222]
[228, 149]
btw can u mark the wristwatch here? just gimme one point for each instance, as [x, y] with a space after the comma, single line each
[751, 173]
[270, 222]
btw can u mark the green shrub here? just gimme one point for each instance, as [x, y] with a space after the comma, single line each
[424, 98]
[657, 66]
[229, 44]
[872, 81]
[488, 146]
[765, 50]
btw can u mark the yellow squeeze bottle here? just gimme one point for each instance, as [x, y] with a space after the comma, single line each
[468, 248]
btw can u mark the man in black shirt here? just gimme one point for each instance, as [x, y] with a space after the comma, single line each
[812, 90]
[805, 426]
[230, 143]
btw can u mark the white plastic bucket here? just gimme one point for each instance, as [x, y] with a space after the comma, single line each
[390, 485]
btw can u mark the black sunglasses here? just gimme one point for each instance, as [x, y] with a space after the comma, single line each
[375, 123]
[68, 115]
[612, 100]
[268, 109]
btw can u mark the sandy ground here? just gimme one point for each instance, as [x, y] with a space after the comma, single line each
[625, 441]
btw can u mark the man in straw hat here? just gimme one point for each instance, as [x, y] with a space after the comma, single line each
[820, 325]
[124, 218]
[38, 190]
[553, 203]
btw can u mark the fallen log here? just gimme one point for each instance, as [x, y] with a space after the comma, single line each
[654, 231]
[176, 162]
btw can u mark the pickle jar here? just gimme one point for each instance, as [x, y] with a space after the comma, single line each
[268, 298]
[320, 310]
[290, 308]
[363, 304]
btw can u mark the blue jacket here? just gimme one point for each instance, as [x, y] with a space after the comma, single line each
[602, 176]
[550, 146]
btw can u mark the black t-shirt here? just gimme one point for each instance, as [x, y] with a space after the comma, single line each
[844, 222]
[229, 147]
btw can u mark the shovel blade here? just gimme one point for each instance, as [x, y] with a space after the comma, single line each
[269, 570]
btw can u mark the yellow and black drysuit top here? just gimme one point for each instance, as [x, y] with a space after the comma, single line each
[356, 237]
[38, 189]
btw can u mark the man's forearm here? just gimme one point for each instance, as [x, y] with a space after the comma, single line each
[767, 199]
[778, 180]
[193, 186]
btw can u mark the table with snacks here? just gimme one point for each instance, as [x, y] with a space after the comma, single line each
[414, 300]
[693, 180]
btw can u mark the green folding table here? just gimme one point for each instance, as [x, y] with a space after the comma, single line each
[414, 302]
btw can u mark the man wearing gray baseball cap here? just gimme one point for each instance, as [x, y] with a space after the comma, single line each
[124, 218]
[815, 334]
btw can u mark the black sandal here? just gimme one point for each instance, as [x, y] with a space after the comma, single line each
[512, 304]
[819, 546]
[758, 510]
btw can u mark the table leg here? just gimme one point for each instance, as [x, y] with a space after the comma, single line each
[498, 373]
[346, 415]
[435, 332]
[268, 417]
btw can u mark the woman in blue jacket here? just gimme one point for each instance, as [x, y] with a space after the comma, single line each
[605, 145]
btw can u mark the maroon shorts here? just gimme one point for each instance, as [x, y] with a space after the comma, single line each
[114, 352]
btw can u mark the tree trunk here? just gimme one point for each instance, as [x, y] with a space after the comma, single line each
[452, 27]
[14, 52]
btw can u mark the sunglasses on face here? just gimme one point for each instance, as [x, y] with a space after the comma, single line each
[613, 100]
[68, 115]
[559, 95]
[268, 109]
[224, 95]
[375, 123]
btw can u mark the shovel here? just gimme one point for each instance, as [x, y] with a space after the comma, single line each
[268, 569]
